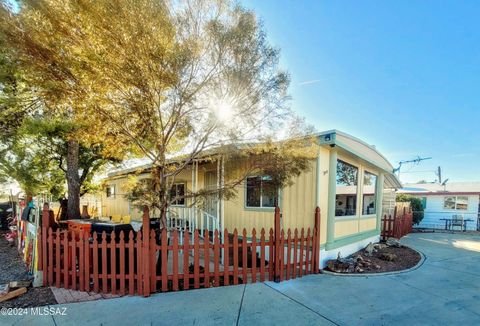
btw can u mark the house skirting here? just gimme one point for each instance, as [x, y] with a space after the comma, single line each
[345, 250]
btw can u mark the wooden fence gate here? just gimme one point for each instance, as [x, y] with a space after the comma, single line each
[398, 225]
[137, 264]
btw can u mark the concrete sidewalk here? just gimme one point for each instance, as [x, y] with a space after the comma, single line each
[445, 290]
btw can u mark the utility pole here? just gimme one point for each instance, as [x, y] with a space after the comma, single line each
[439, 174]
[415, 161]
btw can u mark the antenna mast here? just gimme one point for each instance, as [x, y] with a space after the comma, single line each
[414, 161]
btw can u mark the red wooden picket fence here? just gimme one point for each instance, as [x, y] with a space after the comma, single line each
[398, 225]
[135, 264]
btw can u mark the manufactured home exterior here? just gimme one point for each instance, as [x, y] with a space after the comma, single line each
[346, 180]
[443, 201]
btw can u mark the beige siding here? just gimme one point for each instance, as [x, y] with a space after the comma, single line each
[298, 200]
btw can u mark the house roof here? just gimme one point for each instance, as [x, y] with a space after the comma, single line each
[451, 188]
[332, 137]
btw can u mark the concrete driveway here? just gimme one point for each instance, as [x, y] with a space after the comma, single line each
[445, 290]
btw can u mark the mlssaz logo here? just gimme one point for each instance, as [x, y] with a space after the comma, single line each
[46, 311]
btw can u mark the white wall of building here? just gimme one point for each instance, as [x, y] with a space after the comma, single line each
[435, 211]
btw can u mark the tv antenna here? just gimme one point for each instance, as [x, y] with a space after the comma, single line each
[414, 161]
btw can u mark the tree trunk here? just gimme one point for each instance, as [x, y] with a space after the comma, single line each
[73, 180]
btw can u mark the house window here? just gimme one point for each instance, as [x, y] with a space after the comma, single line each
[369, 193]
[260, 192]
[456, 203]
[178, 190]
[110, 191]
[346, 189]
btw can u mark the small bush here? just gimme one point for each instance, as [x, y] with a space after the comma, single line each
[415, 204]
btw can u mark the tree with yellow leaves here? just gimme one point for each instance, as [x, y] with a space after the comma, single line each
[171, 79]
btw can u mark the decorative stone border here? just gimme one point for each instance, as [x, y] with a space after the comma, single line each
[411, 269]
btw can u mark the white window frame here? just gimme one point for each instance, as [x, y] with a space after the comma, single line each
[261, 193]
[374, 195]
[358, 208]
[456, 203]
[184, 190]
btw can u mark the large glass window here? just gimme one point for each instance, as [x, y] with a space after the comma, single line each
[178, 190]
[456, 202]
[346, 189]
[260, 192]
[369, 193]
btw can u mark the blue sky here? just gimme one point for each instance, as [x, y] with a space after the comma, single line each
[402, 75]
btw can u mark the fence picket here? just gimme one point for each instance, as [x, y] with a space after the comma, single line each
[262, 255]
[66, 264]
[57, 258]
[95, 263]
[244, 256]
[295, 254]
[175, 261]
[300, 272]
[254, 256]
[86, 242]
[45, 256]
[281, 254]
[131, 264]
[186, 258]
[81, 262]
[74, 262]
[307, 251]
[289, 252]
[164, 257]
[103, 245]
[216, 259]
[122, 262]
[139, 248]
[271, 257]
[226, 263]
[196, 260]
[153, 259]
[206, 260]
[235, 257]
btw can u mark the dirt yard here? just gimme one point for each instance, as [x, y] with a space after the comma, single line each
[12, 268]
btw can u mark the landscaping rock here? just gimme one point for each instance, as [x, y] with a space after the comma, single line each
[370, 249]
[338, 266]
[392, 242]
[388, 257]
[379, 246]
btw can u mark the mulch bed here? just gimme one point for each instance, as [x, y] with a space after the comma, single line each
[12, 268]
[406, 258]
[383, 259]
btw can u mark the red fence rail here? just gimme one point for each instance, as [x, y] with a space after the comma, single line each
[149, 261]
[398, 225]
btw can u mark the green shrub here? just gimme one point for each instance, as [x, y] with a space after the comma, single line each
[415, 204]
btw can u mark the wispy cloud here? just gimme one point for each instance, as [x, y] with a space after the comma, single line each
[460, 155]
[310, 82]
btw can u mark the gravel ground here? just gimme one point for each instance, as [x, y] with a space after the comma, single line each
[12, 268]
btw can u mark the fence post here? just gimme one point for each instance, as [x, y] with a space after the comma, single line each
[42, 246]
[316, 250]
[146, 251]
[277, 249]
